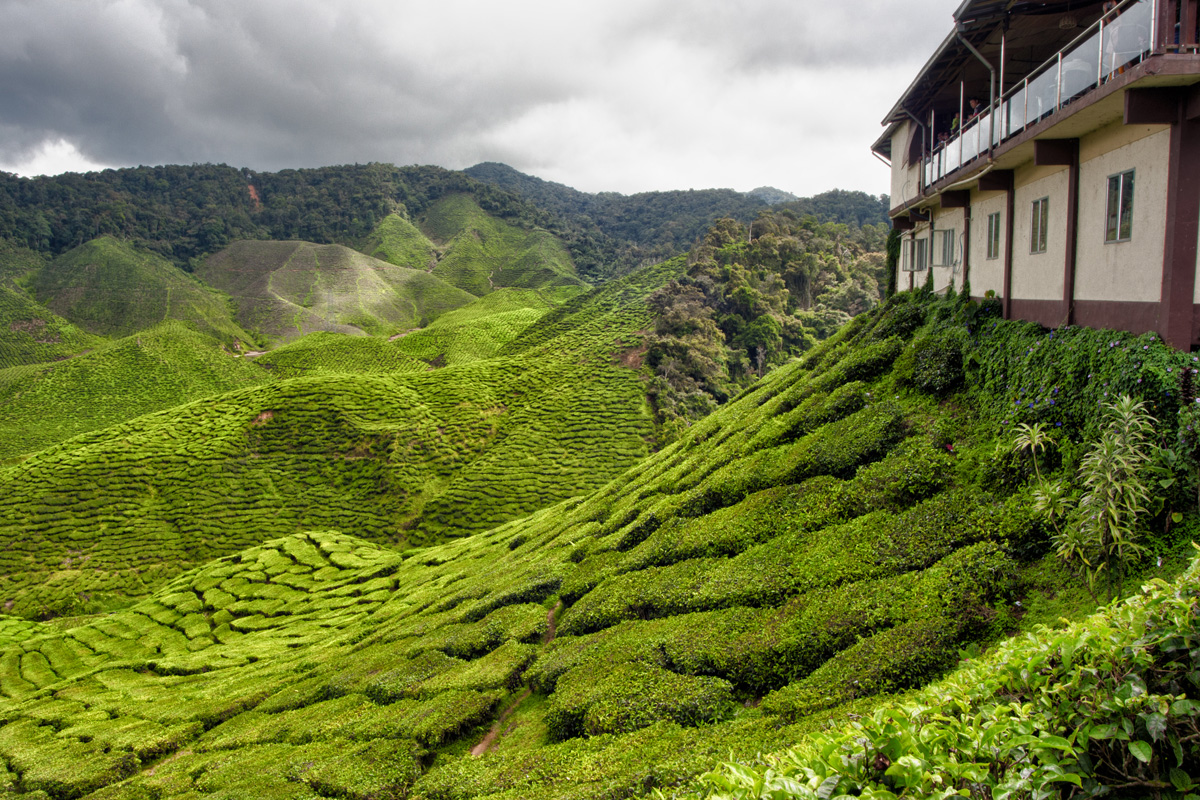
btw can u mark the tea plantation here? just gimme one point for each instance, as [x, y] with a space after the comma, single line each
[357, 443]
[284, 290]
[272, 592]
[108, 288]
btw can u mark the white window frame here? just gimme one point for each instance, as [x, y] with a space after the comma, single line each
[993, 238]
[944, 252]
[1118, 210]
[1039, 221]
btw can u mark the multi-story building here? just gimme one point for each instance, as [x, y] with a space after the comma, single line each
[1049, 153]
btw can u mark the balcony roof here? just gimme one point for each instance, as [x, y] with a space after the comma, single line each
[1033, 32]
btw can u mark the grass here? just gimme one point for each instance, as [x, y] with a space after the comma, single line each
[410, 458]
[285, 290]
[481, 253]
[155, 369]
[111, 289]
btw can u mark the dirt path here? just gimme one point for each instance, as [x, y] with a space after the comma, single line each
[552, 623]
[489, 741]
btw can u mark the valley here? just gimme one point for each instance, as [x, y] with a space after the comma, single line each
[470, 495]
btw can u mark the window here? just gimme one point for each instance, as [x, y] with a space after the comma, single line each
[943, 254]
[993, 235]
[1119, 220]
[914, 255]
[1040, 221]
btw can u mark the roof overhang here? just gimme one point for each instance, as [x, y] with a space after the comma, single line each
[1032, 36]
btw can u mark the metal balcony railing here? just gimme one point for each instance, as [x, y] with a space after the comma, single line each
[1118, 40]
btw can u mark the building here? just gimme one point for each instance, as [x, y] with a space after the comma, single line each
[1071, 188]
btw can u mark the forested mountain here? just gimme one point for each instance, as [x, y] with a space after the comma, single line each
[659, 224]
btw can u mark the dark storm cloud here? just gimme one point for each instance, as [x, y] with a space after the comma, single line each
[625, 94]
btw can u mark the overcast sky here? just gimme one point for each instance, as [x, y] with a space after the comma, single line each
[602, 95]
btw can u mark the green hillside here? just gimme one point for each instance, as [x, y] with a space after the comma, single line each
[326, 353]
[157, 368]
[397, 241]
[284, 290]
[470, 333]
[478, 330]
[402, 458]
[835, 535]
[108, 288]
[482, 253]
[29, 332]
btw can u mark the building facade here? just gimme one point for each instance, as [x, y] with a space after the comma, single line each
[1049, 154]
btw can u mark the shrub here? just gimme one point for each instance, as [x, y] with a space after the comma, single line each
[933, 363]
[598, 698]
[898, 658]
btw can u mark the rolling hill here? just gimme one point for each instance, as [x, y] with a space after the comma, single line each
[288, 289]
[482, 253]
[110, 289]
[158, 368]
[29, 332]
[408, 458]
[836, 534]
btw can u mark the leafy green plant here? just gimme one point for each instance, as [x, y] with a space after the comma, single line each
[1102, 533]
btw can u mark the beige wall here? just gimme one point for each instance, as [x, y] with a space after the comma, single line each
[1129, 270]
[1039, 276]
[906, 179]
[943, 276]
[986, 273]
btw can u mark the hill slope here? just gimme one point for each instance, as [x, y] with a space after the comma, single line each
[809, 546]
[408, 457]
[288, 289]
[482, 253]
[156, 369]
[29, 332]
[108, 288]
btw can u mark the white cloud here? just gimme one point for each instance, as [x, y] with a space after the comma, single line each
[53, 158]
[623, 95]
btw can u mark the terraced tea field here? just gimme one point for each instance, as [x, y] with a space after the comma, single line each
[804, 550]
[108, 288]
[156, 369]
[31, 334]
[481, 253]
[409, 458]
[288, 289]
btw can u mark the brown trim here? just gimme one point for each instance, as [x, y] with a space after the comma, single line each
[1117, 315]
[1152, 106]
[1192, 108]
[959, 198]
[1043, 312]
[1165, 23]
[1071, 259]
[1107, 314]
[966, 249]
[1055, 152]
[1182, 221]
[903, 224]
[1000, 180]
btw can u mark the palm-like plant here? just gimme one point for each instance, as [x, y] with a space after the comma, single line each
[1034, 439]
[1103, 529]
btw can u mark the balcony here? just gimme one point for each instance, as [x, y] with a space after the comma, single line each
[1122, 38]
